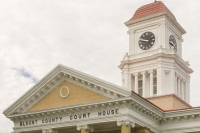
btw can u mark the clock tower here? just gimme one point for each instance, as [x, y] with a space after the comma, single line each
[154, 65]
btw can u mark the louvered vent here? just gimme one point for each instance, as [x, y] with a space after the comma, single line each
[140, 87]
[154, 85]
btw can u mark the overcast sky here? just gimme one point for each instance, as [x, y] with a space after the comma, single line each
[87, 35]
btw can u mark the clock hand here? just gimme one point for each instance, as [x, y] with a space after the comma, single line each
[172, 43]
[144, 40]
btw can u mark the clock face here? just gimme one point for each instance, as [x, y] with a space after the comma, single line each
[172, 42]
[146, 40]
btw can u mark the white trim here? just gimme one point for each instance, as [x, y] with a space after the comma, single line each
[62, 90]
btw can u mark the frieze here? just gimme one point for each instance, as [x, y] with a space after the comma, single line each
[57, 119]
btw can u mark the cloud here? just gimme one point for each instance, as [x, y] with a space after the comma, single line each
[26, 74]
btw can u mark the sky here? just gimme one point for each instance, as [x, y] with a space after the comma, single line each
[87, 35]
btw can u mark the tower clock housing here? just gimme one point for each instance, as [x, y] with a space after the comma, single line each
[154, 64]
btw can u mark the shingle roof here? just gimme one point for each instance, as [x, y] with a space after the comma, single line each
[151, 9]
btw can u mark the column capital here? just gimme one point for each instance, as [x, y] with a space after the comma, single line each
[144, 72]
[126, 122]
[150, 71]
[49, 131]
[86, 127]
[184, 80]
[135, 74]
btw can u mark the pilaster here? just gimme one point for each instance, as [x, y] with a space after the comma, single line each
[131, 42]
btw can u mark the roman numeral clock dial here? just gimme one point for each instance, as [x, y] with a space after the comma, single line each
[146, 40]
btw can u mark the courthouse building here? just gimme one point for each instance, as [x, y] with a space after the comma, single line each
[154, 96]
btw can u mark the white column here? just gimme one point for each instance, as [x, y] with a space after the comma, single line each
[182, 90]
[130, 82]
[173, 81]
[151, 82]
[143, 83]
[136, 82]
[160, 78]
[188, 90]
[179, 87]
[176, 89]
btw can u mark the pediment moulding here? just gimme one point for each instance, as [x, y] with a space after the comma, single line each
[53, 79]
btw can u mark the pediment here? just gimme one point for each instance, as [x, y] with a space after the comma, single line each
[55, 79]
[67, 94]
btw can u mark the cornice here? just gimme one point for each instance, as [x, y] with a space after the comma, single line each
[153, 54]
[133, 102]
[69, 109]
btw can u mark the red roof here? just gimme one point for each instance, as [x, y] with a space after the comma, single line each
[160, 108]
[151, 9]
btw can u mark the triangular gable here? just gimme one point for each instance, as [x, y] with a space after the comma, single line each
[54, 78]
[77, 95]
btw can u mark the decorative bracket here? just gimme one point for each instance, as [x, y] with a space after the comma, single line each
[86, 127]
[126, 122]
